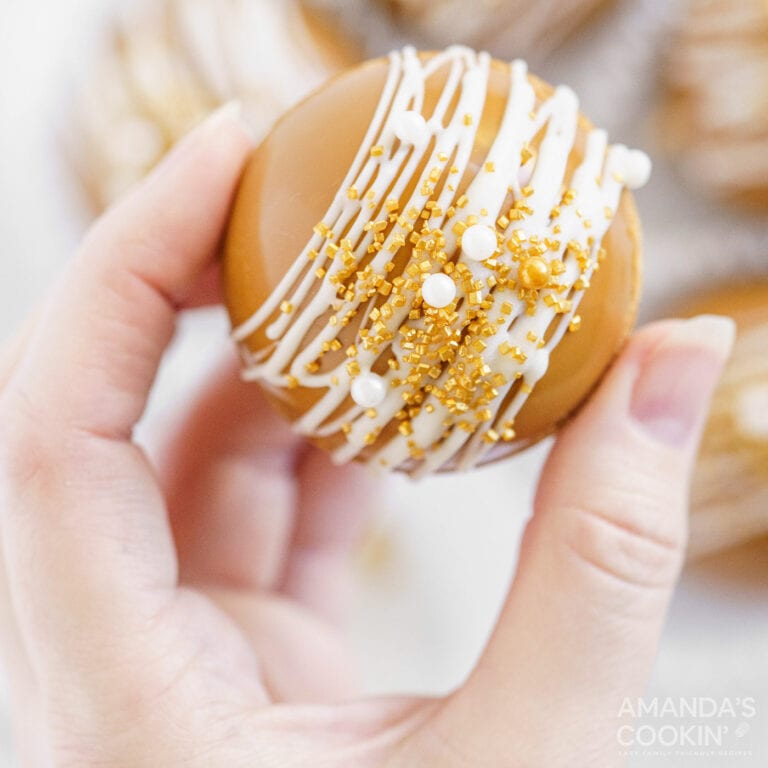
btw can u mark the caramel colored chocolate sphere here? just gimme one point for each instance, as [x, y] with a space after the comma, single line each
[449, 178]
[729, 496]
[168, 63]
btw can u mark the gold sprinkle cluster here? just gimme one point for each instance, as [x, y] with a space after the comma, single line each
[455, 339]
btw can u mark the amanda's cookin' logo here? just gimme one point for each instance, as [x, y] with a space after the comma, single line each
[695, 725]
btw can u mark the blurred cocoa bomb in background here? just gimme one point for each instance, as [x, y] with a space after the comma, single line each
[505, 27]
[729, 496]
[165, 65]
[715, 117]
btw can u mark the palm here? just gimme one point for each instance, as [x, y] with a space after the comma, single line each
[262, 581]
[223, 694]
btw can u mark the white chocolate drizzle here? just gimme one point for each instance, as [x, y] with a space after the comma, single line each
[455, 377]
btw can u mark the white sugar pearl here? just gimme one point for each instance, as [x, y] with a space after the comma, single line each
[637, 169]
[479, 242]
[411, 128]
[438, 291]
[368, 390]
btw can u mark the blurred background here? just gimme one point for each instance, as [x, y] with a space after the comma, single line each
[92, 92]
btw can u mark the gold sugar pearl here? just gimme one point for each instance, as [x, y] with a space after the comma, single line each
[534, 273]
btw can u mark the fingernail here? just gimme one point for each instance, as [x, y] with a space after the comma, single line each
[231, 111]
[672, 394]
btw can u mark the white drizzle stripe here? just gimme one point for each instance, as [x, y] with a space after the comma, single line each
[573, 238]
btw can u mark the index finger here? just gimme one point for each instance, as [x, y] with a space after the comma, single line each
[98, 345]
[83, 519]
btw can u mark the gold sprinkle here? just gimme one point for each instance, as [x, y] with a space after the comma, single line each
[415, 451]
[534, 273]
[377, 150]
[370, 438]
[557, 267]
[575, 324]
[525, 154]
[514, 352]
[286, 307]
[468, 119]
[352, 193]
[490, 167]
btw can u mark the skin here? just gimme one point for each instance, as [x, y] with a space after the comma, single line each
[184, 613]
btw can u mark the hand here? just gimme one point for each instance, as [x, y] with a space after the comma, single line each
[183, 614]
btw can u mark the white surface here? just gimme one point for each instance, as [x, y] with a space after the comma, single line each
[442, 551]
